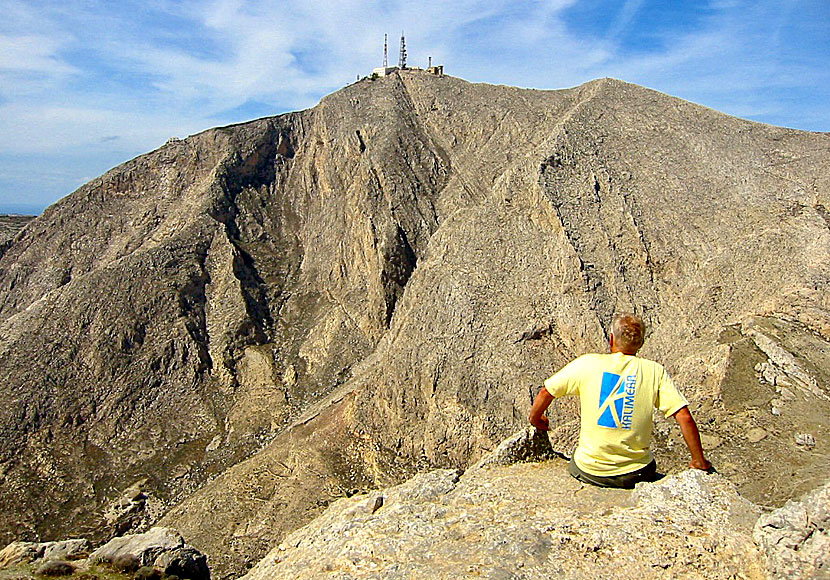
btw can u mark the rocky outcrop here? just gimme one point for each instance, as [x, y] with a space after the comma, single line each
[160, 548]
[27, 552]
[796, 537]
[260, 319]
[157, 551]
[10, 225]
[526, 520]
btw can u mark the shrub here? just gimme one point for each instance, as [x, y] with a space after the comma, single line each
[147, 573]
[55, 568]
[126, 563]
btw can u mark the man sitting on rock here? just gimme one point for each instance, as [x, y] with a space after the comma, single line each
[617, 393]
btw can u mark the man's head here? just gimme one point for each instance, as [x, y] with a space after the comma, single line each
[627, 333]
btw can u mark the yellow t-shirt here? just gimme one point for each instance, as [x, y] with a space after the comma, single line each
[617, 393]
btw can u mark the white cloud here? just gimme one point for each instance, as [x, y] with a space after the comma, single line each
[32, 54]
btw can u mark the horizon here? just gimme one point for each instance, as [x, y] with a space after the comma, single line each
[74, 106]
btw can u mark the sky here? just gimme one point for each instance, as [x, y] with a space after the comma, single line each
[87, 84]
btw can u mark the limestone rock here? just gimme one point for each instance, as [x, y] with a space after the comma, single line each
[756, 434]
[184, 562]
[528, 520]
[10, 225]
[529, 444]
[158, 547]
[796, 537]
[27, 552]
[19, 552]
[74, 549]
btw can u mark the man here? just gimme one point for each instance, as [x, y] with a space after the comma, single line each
[617, 393]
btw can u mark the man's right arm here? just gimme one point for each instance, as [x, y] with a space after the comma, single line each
[692, 438]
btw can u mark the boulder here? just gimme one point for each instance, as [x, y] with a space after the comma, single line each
[146, 547]
[75, 549]
[184, 562]
[796, 537]
[19, 553]
[526, 520]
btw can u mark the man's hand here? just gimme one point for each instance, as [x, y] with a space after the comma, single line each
[537, 413]
[703, 464]
[541, 423]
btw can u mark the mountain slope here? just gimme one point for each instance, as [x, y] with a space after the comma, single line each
[378, 285]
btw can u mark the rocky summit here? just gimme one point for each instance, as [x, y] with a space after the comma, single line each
[228, 334]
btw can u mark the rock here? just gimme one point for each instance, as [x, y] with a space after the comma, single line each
[76, 549]
[145, 548]
[796, 537]
[756, 434]
[527, 520]
[786, 394]
[805, 440]
[161, 548]
[26, 552]
[19, 552]
[184, 562]
[530, 444]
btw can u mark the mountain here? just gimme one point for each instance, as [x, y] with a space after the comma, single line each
[9, 226]
[238, 328]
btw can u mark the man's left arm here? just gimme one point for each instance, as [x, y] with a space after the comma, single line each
[537, 412]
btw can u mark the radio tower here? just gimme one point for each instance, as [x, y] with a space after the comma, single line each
[402, 57]
[385, 59]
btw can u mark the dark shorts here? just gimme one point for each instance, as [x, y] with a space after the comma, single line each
[625, 481]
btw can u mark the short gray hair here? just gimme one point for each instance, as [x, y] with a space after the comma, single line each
[629, 331]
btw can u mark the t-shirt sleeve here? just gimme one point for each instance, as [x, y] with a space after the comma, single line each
[564, 382]
[668, 399]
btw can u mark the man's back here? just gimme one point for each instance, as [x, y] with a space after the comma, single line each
[618, 393]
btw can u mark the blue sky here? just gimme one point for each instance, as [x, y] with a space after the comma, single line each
[87, 84]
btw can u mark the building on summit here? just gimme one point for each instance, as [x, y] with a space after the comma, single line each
[386, 69]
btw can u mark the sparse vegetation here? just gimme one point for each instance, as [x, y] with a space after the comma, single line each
[96, 572]
[55, 568]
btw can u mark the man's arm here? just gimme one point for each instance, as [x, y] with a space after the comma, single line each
[692, 437]
[537, 413]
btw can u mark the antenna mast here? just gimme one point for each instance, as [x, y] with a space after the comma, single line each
[402, 57]
[385, 52]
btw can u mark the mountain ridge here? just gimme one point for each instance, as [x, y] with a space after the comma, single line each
[375, 286]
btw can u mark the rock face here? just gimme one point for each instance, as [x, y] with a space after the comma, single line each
[160, 548]
[796, 537]
[528, 520]
[257, 320]
[10, 225]
[26, 552]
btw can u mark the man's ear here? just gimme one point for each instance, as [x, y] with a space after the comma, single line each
[611, 340]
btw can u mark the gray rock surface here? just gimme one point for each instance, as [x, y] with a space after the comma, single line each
[158, 547]
[263, 318]
[528, 520]
[27, 552]
[19, 553]
[146, 546]
[796, 537]
[10, 225]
